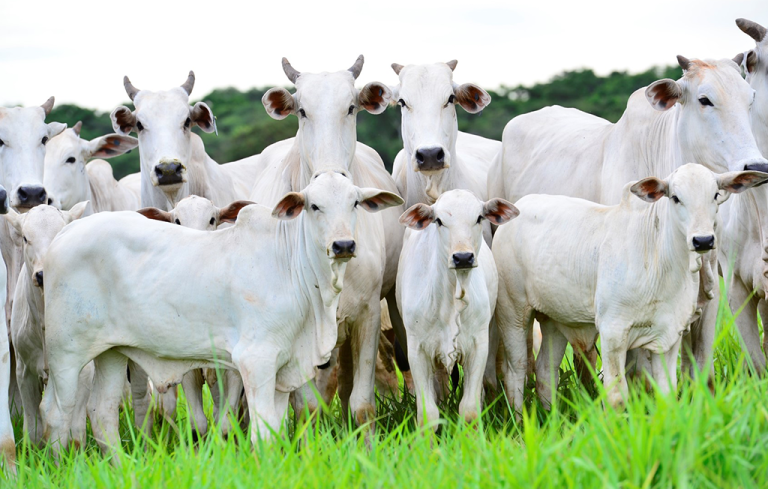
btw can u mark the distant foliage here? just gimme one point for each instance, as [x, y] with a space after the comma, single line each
[245, 128]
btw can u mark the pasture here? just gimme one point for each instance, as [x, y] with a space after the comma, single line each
[691, 439]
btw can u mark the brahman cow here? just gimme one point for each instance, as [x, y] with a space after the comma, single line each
[260, 297]
[702, 117]
[326, 105]
[629, 272]
[37, 228]
[69, 180]
[174, 163]
[446, 292]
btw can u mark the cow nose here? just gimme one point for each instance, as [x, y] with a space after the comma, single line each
[703, 243]
[169, 172]
[463, 260]
[30, 196]
[39, 278]
[343, 249]
[430, 158]
[3, 201]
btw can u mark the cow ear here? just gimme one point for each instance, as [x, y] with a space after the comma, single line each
[156, 214]
[14, 219]
[736, 182]
[202, 117]
[499, 211]
[279, 103]
[650, 189]
[374, 97]
[230, 212]
[76, 212]
[123, 120]
[471, 97]
[418, 217]
[55, 128]
[375, 200]
[751, 61]
[663, 94]
[289, 207]
[110, 145]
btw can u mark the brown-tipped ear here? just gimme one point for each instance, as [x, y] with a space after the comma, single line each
[289, 207]
[751, 61]
[110, 145]
[123, 120]
[663, 94]
[736, 182]
[375, 200]
[650, 189]
[279, 103]
[230, 212]
[156, 214]
[374, 97]
[499, 211]
[418, 217]
[472, 98]
[202, 117]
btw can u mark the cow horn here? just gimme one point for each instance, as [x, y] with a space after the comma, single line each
[129, 88]
[356, 68]
[738, 59]
[397, 68]
[190, 83]
[752, 29]
[290, 71]
[48, 105]
[684, 62]
[452, 64]
[77, 127]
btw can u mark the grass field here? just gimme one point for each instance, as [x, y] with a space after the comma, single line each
[695, 439]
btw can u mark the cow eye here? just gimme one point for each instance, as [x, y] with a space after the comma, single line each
[139, 126]
[187, 122]
[45, 140]
[402, 103]
[71, 159]
[479, 218]
[2, 143]
[24, 238]
[451, 100]
[351, 110]
[177, 222]
[314, 207]
[717, 195]
[302, 113]
[675, 199]
[213, 221]
[438, 222]
[357, 202]
[706, 102]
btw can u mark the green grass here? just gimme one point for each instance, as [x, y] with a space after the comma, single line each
[694, 439]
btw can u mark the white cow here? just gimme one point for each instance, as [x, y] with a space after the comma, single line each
[702, 117]
[7, 441]
[69, 180]
[23, 138]
[260, 297]
[37, 228]
[745, 254]
[326, 105]
[629, 272]
[446, 291]
[174, 163]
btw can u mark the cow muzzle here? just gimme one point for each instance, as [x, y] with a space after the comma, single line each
[430, 159]
[170, 172]
[463, 260]
[702, 244]
[343, 249]
[29, 196]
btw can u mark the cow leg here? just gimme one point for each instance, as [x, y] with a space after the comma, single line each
[104, 404]
[80, 413]
[14, 392]
[258, 368]
[141, 395]
[490, 381]
[7, 441]
[232, 390]
[701, 339]
[59, 399]
[474, 371]
[741, 297]
[614, 363]
[398, 326]
[31, 394]
[386, 375]
[304, 399]
[365, 346]
[345, 375]
[665, 369]
[514, 319]
[192, 383]
[553, 344]
[167, 402]
[422, 369]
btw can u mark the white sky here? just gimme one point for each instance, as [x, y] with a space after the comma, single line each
[79, 50]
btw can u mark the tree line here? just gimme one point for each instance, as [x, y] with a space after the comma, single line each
[245, 128]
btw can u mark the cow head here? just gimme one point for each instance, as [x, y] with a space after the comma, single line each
[37, 228]
[713, 124]
[428, 96]
[695, 194]
[23, 138]
[326, 105]
[65, 178]
[197, 213]
[457, 216]
[163, 121]
[756, 63]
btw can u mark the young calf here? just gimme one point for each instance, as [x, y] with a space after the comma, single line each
[37, 228]
[446, 292]
[628, 272]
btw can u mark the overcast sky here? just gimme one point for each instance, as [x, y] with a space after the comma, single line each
[79, 50]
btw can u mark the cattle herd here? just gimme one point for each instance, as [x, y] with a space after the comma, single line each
[271, 275]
